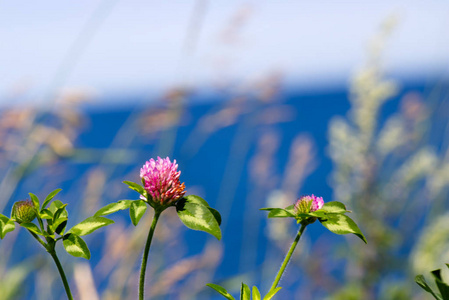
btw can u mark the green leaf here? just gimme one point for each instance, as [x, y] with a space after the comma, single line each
[74, 245]
[256, 293]
[280, 213]
[196, 199]
[55, 205]
[32, 227]
[221, 290]
[334, 207]
[46, 214]
[6, 225]
[135, 187]
[342, 224]
[421, 281]
[50, 197]
[291, 209]
[198, 217]
[35, 201]
[90, 225]
[61, 212]
[216, 214]
[113, 207]
[442, 287]
[318, 214]
[200, 201]
[137, 210]
[59, 225]
[271, 293]
[245, 293]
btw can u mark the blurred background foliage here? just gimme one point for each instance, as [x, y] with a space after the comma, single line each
[378, 145]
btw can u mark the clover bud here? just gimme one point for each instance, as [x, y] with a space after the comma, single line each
[307, 204]
[23, 211]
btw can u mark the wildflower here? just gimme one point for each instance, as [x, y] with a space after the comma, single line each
[307, 204]
[161, 181]
[24, 211]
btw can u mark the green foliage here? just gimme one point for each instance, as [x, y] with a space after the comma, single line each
[245, 292]
[278, 213]
[342, 224]
[137, 210]
[196, 214]
[256, 293]
[271, 293]
[90, 225]
[56, 217]
[221, 290]
[6, 225]
[113, 207]
[331, 215]
[443, 287]
[49, 198]
[35, 201]
[75, 245]
[32, 227]
[136, 187]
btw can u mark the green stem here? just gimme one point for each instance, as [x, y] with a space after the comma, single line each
[41, 224]
[145, 254]
[61, 272]
[287, 258]
[50, 249]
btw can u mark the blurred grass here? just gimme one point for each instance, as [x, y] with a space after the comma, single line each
[386, 168]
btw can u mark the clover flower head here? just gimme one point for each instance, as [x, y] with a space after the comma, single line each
[307, 204]
[161, 181]
[23, 211]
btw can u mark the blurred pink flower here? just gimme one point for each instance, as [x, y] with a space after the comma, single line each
[303, 203]
[161, 181]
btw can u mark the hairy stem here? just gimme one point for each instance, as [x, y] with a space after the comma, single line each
[288, 257]
[62, 274]
[50, 249]
[145, 255]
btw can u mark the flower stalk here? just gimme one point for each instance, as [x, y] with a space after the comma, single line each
[288, 257]
[50, 247]
[143, 267]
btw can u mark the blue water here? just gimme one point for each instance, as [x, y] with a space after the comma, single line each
[206, 167]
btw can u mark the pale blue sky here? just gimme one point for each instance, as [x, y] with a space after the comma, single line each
[120, 47]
